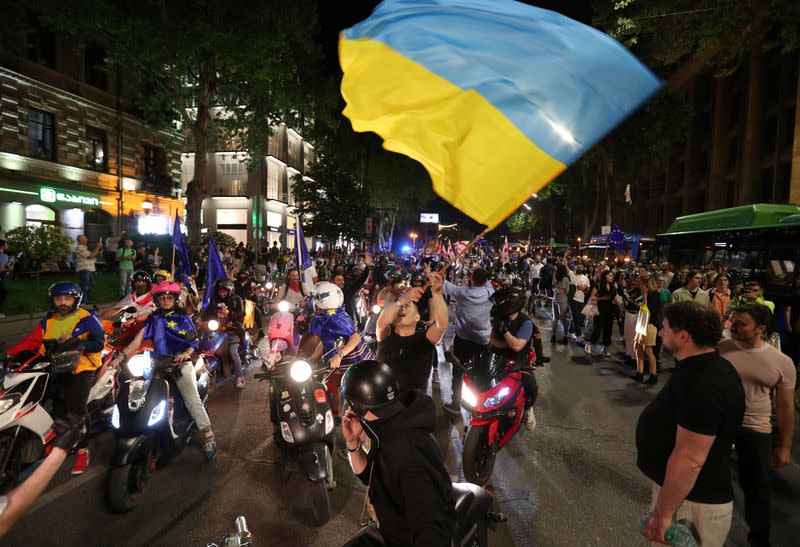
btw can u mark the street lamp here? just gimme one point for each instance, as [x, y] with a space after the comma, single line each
[413, 237]
[579, 245]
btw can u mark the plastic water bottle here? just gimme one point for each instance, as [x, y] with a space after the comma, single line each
[677, 535]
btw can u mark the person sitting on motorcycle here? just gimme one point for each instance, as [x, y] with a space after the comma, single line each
[244, 287]
[352, 285]
[65, 321]
[511, 338]
[227, 308]
[292, 290]
[140, 298]
[397, 286]
[407, 481]
[171, 332]
[160, 276]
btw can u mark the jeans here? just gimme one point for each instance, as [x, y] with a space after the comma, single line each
[125, 282]
[86, 281]
[577, 317]
[560, 314]
[187, 385]
[754, 458]
[465, 350]
[233, 352]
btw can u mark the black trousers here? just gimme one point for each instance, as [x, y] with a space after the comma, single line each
[754, 457]
[73, 393]
[577, 317]
[602, 324]
[465, 350]
[530, 387]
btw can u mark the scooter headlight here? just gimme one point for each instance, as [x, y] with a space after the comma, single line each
[497, 398]
[283, 306]
[300, 371]
[139, 365]
[376, 309]
[468, 396]
[268, 285]
[7, 402]
[286, 432]
[328, 421]
[157, 414]
[213, 325]
[115, 417]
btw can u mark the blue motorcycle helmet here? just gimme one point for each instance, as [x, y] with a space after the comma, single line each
[65, 288]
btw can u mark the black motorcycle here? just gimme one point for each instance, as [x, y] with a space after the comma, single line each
[474, 515]
[304, 426]
[148, 397]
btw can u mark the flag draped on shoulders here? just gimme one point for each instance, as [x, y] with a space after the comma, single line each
[483, 92]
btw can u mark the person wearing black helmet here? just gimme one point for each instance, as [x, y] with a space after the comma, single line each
[140, 297]
[227, 308]
[65, 321]
[351, 284]
[244, 288]
[511, 337]
[397, 285]
[407, 481]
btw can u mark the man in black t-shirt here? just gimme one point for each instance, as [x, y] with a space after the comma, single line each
[684, 436]
[408, 351]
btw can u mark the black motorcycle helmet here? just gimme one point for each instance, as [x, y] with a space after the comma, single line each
[507, 301]
[418, 279]
[243, 276]
[370, 385]
[397, 276]
[65, 288]
[223, 283]
[140, 275]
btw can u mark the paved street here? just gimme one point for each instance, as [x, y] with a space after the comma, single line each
[573, 481]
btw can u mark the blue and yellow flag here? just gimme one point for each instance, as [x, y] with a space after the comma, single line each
[495, 98]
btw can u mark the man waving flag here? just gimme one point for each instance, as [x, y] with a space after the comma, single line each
[487, 91]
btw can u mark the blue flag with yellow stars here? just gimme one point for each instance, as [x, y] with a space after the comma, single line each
[616, 238]
[171, 332]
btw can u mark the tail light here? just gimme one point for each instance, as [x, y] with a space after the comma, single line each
[320, 396]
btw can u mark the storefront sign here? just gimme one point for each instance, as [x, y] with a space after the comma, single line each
[274, 229]
[50, 195]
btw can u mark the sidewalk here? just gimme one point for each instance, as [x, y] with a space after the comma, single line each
[14, 327]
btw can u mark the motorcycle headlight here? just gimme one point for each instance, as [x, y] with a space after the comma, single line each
[268, 285]
[213, 325]
[283, 306]
[497, 398]
[139, 365]
[157, 413]
[328, 421]
[468, 396]
[115, 417]
[300, 371]
[376, 309]
[7, 402]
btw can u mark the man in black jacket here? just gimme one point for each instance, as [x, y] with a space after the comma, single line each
[351, 286]
[407, 482]
[227, 308]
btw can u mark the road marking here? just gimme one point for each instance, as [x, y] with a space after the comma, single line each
[64, 489]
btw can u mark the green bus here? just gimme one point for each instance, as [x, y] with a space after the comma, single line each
[761, 241]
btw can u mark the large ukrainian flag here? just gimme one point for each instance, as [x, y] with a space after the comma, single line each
[495, 98]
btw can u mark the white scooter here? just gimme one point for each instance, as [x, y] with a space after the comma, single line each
[26, 424]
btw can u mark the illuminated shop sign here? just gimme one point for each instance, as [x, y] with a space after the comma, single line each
[50, 195]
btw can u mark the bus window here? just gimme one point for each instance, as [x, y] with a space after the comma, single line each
[780, 273]
[744, 261]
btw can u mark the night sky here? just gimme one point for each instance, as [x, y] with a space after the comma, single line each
[337, 16]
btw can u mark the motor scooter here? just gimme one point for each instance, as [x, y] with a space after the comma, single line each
[303, 422]
[283, 334]
[213, 336]
[151, 422]
[494, 397]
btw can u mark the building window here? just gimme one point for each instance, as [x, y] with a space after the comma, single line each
[41, 43]
[274, 180]
[41, 134]
[36, 215]
[95, 66]
[153, 162]
[295, 153]
[96, 149]
[231, 179]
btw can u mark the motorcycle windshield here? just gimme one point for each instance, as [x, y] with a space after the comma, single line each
[489, 369]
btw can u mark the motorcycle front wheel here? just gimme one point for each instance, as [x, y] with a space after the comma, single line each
[320, 502]
[478, 458]
[127, 484]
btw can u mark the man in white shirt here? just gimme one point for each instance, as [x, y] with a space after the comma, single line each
[535, 277]
[578, 300]
[84, 265]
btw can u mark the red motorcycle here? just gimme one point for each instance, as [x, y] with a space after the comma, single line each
[493, 395]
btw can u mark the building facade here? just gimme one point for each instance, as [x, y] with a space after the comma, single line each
[742, 146]
[255, 208]
[70, 156]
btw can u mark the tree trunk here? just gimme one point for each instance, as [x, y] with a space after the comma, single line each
[596, 213]
[198, 190]
[749, 184]
[794, 188]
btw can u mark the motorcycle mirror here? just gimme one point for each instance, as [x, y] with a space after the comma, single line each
[339, 343]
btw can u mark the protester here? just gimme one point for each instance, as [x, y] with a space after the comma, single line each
[604, 293]
[720, 295]
[85, 266]
[753, 293]
[645, 343]
[560, 303]
[684, 436]
[125, 259]
[692, 291]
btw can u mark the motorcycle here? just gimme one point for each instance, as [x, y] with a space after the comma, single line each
[494, 397]
[212, 338]
[473, 515]
[151, 423]
[26, 424]
[283, 333]
[241, 537]
[301, 414]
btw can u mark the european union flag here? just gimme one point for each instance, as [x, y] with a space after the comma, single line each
[616, 238]
[214, 271]
[180, 262]
[171, 333]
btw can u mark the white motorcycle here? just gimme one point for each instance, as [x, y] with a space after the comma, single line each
[26, 424]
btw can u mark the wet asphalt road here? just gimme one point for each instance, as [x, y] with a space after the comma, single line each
[573, 481]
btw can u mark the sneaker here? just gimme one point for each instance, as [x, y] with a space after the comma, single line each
[240, 382]
[579, 340]
[210, 448]
[572, 336]
[2, 315]
[603, 350]
[588, 348]
[530, 419]
[82, 460]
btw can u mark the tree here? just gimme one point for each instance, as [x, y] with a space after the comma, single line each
[221, 239]
[523, 221]
[39, 243]
[192, 57]
[334, 205]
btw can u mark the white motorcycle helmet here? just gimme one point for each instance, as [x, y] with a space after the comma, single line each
[328, 296]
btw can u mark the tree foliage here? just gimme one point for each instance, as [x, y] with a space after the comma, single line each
[221, 239]
[39, 243]
[335, 204]
[523, 221]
